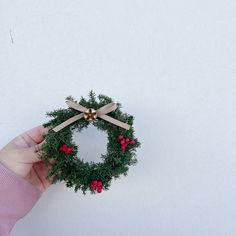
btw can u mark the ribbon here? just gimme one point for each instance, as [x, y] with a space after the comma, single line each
[90, 114]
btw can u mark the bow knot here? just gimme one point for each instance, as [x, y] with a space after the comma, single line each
[90, 114]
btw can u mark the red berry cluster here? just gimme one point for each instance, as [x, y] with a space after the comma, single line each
[64, 148]
[96, 185]
[124, 142]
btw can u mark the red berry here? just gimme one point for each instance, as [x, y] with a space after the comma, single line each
[123, 147]
[99, 184]
[120, 137]
[132, 142]
[92, 186]
[63, 147]
[99, 190]
[125, 144]
[68, 150]
[127, 140]
[95, 182]
[122, 142]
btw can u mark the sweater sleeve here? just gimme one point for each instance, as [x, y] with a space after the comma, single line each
[17, 197]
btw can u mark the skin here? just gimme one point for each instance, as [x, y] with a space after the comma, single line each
[20, 155]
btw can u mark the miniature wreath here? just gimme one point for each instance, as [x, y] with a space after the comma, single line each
[60, 153]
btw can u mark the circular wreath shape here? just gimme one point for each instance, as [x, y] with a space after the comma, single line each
[60, 153]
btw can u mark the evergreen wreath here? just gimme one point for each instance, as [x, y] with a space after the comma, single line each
[60, 152]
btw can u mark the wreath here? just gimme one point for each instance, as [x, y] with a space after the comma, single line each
[59, 151]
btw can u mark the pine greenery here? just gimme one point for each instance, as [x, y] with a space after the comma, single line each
[71, 168]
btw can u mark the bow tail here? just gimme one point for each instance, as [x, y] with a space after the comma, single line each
[115, 122]
[68, 122]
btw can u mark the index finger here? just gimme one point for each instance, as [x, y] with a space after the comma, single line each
[36, 134]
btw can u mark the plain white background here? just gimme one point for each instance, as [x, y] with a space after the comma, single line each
[172, 64]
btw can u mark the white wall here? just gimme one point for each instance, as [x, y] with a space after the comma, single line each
[172, 65]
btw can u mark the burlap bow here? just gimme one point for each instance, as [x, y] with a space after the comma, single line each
[91, 114]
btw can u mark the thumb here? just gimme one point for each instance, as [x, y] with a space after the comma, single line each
[31, 154]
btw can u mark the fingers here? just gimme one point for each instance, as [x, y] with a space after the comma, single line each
[31, 154]
[35, 135]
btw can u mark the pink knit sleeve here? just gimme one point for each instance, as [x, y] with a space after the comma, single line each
[17, 197]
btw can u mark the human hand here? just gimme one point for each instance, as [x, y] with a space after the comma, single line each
[20, 155]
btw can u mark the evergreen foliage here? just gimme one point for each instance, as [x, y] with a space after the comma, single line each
[70, 167]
